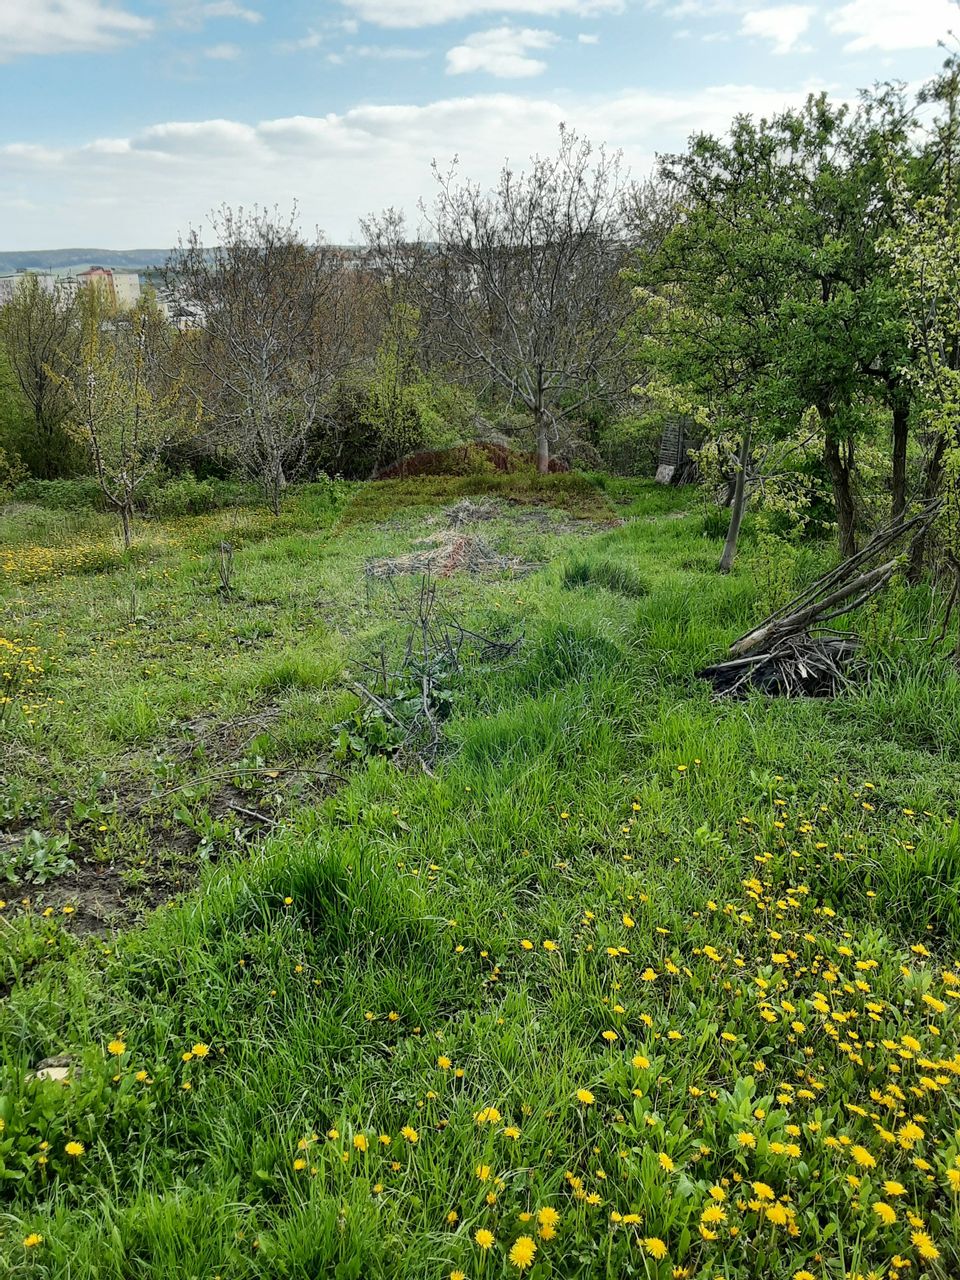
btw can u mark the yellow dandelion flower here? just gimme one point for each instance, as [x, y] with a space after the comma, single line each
[75, 1150]
[409, 1133]
[522, 1252]
[586, 1097]
[484, 1238]
[924, 1246]
[655, 1247]
[116, 1048]
[32, 1240]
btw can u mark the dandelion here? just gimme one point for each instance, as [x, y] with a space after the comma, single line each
[299, 1164]
[200, 1050]
[885, 1212]
[804, 1275]
[483, 1172]
[360, 1142]
[521, 1255]
[117, 1048]
[655, 1247]
[610, 1036]
[548, 1216]
[762, 1191]
[410, 1134]
[32, 1240]
[488, 1115]
[444, 1063]
[746, 1139]
[484, 1238]
[75, 1150]
[665, 1162]
[863, 1157]
[924, 1246]
[511, 1132]
[586, 1097]
[892, 1188]
[457, 1275]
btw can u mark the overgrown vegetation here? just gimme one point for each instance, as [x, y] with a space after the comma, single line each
[630, 981]
[386, 894]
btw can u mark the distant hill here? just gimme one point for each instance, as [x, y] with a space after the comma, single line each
[80, 259]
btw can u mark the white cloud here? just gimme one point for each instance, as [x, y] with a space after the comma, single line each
[584, 38]
[893, 24]
[782, 25]
[228, 9]
[425, 13]
[65, 26]
[145, 188]
[223, 52]
[502, 52]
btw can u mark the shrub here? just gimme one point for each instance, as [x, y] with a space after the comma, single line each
[80, 494]
[185, 495]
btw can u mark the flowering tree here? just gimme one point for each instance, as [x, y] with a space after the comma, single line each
[123, 406]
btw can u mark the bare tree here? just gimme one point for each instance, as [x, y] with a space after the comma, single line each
[526, 286]
[269, 312]
[41, 334]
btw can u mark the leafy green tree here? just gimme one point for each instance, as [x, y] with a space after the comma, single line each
[769, 295]
[41, 333]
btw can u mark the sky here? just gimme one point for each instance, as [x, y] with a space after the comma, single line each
[123, 123]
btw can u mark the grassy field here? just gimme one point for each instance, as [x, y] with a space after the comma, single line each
[628, 982]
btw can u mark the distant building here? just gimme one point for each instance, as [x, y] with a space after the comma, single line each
[126, 289]
[9, 284]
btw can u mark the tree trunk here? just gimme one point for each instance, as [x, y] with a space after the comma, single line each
[126, 520]
[932, 476]
[738, 507]
[901, 414]
[543, 444]
[840, 469]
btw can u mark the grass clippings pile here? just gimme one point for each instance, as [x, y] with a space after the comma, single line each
[447, 552]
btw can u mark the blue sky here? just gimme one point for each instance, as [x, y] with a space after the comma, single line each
[122, 122]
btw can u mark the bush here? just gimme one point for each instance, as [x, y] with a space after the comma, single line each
[465, 460]
[185, 495]
[62, 495]
[630, 446]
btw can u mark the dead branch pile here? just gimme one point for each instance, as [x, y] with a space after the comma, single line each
[792, 652]
[447, 552]
[405, 699]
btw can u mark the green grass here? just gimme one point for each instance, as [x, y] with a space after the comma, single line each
[371, 959]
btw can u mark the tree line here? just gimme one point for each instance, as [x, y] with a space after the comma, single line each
[790, 292]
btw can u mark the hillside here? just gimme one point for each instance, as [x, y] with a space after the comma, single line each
[67, 260]
[597, 977]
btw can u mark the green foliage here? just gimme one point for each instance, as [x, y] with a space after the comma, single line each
[771, 296]
[406, 410]
[185, 495]
[629, 445]
[613, 574]
[62, 495]
[283, 984]
[39, 859]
